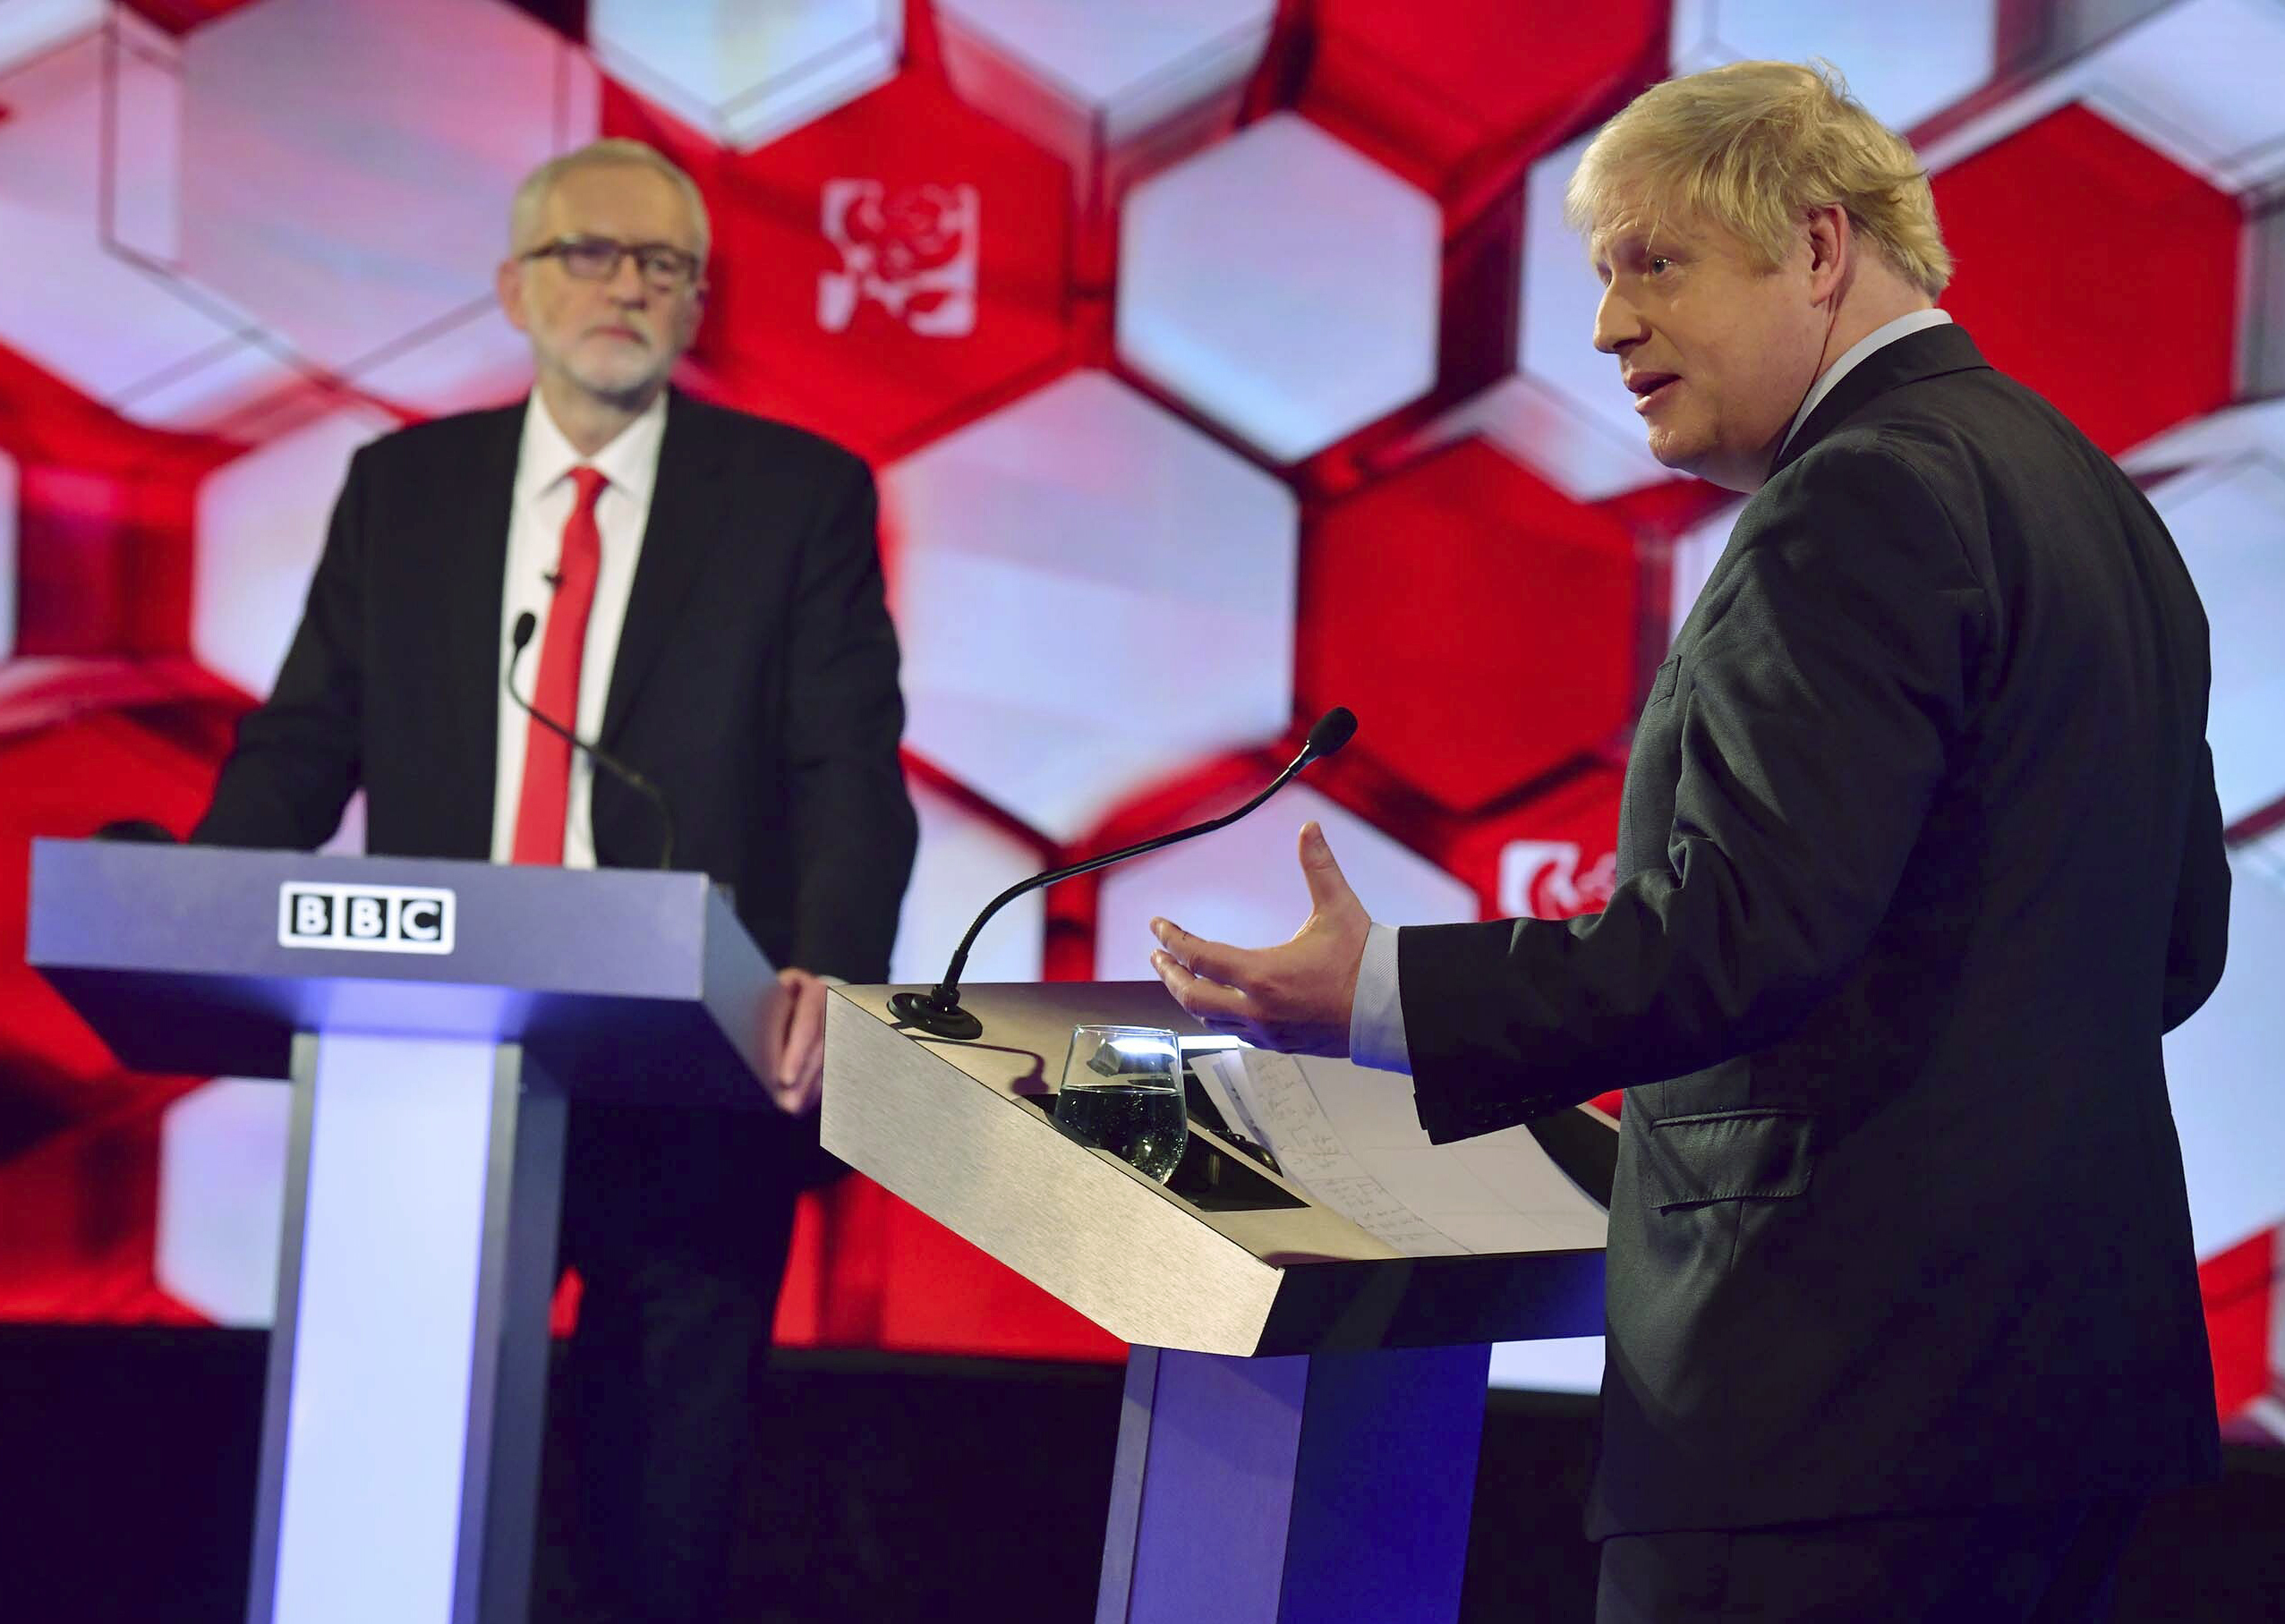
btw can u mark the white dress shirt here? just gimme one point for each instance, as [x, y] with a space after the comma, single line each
[1887, 333]
[541, 507]
[1377, 1017]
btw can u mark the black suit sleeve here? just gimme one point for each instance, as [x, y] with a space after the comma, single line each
[849, 819]
[2199, 939]
[1817, 705]
[297, 759]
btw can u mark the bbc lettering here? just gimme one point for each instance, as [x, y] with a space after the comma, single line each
[365, 918]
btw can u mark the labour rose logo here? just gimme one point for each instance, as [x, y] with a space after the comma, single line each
[911, 251]
[1542, 879]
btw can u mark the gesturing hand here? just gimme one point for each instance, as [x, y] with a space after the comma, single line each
[797, 1019]
[1295, 998]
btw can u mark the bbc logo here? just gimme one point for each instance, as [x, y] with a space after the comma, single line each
[367, 918]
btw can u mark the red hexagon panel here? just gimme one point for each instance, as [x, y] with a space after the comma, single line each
[82, 742]
[1479, 622]
[180, 16]
[880, 275]
[104, 521]
[1447, 91]
[2245, 1321]
[2097, 272]
[1553, 857]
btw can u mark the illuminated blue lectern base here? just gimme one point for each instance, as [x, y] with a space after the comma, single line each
[1330, 1488]
[406, 1398]
[433, 1017]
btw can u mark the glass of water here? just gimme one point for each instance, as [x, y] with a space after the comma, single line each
[1122, 1091]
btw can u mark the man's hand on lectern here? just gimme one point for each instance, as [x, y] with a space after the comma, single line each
[799, 1016]
[1295, 998]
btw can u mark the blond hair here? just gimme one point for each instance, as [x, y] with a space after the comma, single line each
[1756, 147]
[531, 196]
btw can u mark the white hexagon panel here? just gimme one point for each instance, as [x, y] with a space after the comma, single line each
[345, 170]
[1553, 1365]
[113, 325]
[2266, 857]
[1090, 595]
[222, 1151]
[1243, 884]
[2221, 1064]
[1568, 415]
[1902, 62]
[1084, 80]
[1580, 452]
[261, 524]
[748, 71]
[2196, 80]
[1284, 284]
[2254, 430]
[1696, 551]
[2228, 519]
[966, 860]
[30, 26]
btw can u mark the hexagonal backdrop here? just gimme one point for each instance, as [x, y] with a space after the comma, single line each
[1038, 672]
[1096, 84]
[744, 71]
[1220, 361]
[1240, 265]
[883, 274]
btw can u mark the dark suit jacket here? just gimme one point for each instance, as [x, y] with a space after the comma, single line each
[1919, 856]
[755, 680]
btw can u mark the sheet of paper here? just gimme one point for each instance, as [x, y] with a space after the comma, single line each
[1349, 1136]
[1206, 1066]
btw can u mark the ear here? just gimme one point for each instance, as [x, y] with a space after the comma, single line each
[507, 285]
[1832, 246]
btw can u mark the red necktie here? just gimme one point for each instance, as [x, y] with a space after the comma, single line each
[547, 757]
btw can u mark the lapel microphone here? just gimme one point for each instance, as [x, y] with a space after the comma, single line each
[528, 622]
[938, 1013]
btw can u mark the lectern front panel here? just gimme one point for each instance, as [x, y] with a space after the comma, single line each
[958, 1129]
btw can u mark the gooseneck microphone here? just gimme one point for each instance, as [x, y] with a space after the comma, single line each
[525, 625]
[938, 1011]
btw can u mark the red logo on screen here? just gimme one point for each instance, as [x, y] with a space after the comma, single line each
[911, 251]
[1542, 879]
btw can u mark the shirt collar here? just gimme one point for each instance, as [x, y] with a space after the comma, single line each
[1902, 326]
[630, 462]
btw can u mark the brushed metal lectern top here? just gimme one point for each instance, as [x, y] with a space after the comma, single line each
[951, 1127]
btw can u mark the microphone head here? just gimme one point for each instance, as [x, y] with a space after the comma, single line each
[140, 829]
[528, 622]
[1334, 728]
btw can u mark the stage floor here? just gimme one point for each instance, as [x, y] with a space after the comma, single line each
[893, 1488]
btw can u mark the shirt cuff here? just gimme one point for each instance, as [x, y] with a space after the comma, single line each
[1377, 1017]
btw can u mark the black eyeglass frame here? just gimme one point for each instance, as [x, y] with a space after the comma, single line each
[685, 269]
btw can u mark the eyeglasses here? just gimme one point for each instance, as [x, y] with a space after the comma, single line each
[666, 269]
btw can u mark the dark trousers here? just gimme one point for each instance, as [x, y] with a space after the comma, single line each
[2049, 1564]
[677, 1225]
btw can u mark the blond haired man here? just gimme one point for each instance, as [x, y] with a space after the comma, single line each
[1919, 856]
[706, 591]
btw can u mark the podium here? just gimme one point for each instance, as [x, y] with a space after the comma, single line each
[434, 1017]
[1304, 1403]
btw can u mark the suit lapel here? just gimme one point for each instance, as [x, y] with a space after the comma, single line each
[1928, 353]
[682, 526]
[470, 576]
